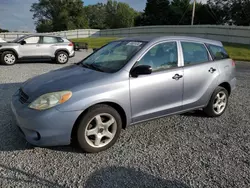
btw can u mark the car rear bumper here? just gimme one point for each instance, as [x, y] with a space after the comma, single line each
[43, 128]
[233, 84]
[72, 54]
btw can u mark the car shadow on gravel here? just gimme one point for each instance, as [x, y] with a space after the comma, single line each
[129, 178]
[32, 61]
[195, 113]
[16, 175]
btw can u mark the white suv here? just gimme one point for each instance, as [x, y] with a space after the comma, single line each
[36, 47]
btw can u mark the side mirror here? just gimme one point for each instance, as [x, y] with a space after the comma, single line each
[141, 70]
[23, 42]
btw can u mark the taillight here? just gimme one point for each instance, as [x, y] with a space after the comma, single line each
[233, 63]
[71, 44]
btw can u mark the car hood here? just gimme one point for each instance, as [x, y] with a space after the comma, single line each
[4, 44]
[67, 78]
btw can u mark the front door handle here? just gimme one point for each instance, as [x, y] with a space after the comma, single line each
[177, 77]
[211, 70]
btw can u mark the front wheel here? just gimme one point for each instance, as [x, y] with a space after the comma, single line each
[99, 129]
[218, 103]
[8, 58]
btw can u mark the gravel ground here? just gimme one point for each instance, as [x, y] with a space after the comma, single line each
[187, 150]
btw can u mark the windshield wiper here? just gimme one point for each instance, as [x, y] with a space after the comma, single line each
[92, 66]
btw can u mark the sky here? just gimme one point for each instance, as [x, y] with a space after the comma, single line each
[15, 15]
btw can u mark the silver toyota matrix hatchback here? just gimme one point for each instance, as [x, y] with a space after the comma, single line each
[125, 82]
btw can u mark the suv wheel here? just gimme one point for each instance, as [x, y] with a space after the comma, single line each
[218, 102]
[99, 129]
[62, 57]
[8, 58]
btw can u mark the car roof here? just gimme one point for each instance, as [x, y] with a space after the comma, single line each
[161, 38]
[42, 35]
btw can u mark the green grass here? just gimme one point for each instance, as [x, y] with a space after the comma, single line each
[239, 52]
[95, 42]
[236, 51]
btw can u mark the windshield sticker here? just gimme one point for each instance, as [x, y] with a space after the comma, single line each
[134, 44]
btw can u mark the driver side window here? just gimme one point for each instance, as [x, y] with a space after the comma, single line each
[32, 40]
[161, 57]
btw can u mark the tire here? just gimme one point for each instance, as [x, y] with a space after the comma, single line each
[99, 128]
[62, 57]
[217, 105]
[8, 58]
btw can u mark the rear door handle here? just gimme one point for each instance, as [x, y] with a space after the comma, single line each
[177, 77]
[211, 70]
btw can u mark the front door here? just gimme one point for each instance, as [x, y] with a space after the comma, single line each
[201, 75]
[30, 48]
[159, 93]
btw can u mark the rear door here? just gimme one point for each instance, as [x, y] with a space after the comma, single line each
[201, 74]
[47, 46]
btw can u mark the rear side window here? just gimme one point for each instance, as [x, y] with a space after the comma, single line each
[49, 40]
[60, 39]
[194, 53]
[218, 52]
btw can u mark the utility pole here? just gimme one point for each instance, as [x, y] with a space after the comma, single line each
[192, 23]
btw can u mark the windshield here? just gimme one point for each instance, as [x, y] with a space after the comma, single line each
[18, 39]
[113, 56]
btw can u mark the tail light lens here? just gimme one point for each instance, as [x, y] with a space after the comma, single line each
[71, 44]
[233, 63]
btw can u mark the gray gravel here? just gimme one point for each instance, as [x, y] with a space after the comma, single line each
[187, 150]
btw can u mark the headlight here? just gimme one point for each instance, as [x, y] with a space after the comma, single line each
[50, 100]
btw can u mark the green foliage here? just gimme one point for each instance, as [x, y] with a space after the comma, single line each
[119, 15]
[157, 12]
[58, 15]
[3, 30]
[96, 15]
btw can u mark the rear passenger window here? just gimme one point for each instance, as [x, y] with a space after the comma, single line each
[49, 40]
[60, 39]
[218, 52]
[194, 53]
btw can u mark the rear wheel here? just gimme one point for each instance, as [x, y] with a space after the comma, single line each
[62, 57]
[99, 129]
[218, 102]
[8, 58]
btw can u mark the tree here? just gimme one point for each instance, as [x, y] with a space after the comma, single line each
[157, 12]
[181, 12]
[125, 16]
[119, 15]
[111, 9]
[240, 12]
[96, 15]
[3, 30]
[58, 15]
[220, 9]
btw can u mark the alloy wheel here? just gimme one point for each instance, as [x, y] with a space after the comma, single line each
[101, 130]
[220, 102]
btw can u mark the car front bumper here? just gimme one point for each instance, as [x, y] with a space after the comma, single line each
[44, 128]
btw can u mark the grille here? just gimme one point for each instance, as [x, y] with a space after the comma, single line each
[23, 97]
